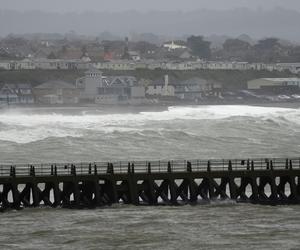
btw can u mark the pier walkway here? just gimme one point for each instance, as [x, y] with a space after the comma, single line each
[259, 181]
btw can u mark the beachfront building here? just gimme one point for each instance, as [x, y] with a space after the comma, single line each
[274, 83]
[56, 92]
[5, 65]
[96, 88]
[16, 94]
[89, 84]
[120, 90]
[196, 88]
[160, 89]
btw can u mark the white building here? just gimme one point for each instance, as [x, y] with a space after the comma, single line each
[173, 46]
[56, 92]
[51, 64]
[161, 89]
[25, 64]
[90, 84]
[292, 67]
[136, 63]
[5, 65]
[116, 65]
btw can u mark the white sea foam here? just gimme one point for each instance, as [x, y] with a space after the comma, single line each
[24, 128]
[173, 113]
[28, 135]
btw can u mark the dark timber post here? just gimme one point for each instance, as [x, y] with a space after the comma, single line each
[230, 166]
[294, 196]
[15, 194]
[57, 194]
[132, 185]
[75, 188]
[95, 170]
[169, 167]
[97, 199]
[232, 185]
[252, 165]
[193, 190]
[152, 195]
[254, 197]
[291, 165]
[189, 167]
[111, 185]
[172, 187]
[248, 164]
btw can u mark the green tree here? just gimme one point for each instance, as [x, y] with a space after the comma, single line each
[236, 45]
[52, 56]
[199, 46]
[267, 44]
[143, 47]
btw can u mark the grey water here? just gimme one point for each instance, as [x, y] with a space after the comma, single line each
[44, 135]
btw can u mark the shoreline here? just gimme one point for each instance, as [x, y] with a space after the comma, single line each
[156, 106]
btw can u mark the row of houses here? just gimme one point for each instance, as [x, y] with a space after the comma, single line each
[99, 89]
[94, 87]
[128, 65]
[273, 84]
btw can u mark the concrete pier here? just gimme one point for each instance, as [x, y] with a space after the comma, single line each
[90, 185]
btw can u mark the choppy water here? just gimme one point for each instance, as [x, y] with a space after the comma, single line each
[89, 134]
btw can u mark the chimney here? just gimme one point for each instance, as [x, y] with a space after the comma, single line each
[166, 81]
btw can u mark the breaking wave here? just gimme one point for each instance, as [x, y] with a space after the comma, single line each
[19, 127]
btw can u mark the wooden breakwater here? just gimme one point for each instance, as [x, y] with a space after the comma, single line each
[259, 181]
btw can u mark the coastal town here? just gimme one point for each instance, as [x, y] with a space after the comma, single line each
[104, 71]
[149, 124]
[72, 52]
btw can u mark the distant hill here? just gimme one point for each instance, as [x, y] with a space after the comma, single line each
[256, 23]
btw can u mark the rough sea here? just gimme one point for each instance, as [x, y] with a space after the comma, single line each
[44, 135]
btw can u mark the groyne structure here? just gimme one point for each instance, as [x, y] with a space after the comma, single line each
[89, 185]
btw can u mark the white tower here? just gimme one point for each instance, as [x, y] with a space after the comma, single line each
[92, 82]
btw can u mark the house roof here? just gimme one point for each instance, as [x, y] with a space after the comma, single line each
[56, 84]
[18, 85]
[95, 53]
[282, 79]
[4, 51]
[120, 80]
[16, 89]
[43, 53]
[70, 53]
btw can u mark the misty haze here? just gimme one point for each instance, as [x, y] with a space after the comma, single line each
[149, 124]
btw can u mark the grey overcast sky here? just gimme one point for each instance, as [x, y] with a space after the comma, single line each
[142, 5]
